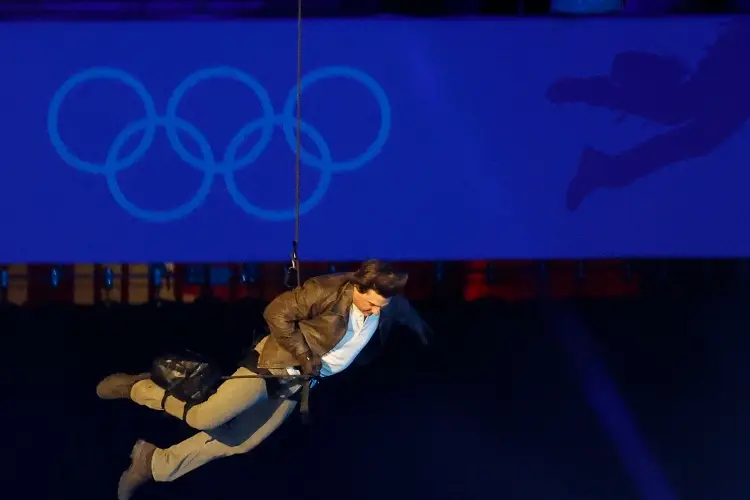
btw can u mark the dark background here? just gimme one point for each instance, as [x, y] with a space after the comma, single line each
[639, 397]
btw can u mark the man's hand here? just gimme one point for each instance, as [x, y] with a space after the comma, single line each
[309, 364]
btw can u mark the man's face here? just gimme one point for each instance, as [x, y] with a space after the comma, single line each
[369, 302]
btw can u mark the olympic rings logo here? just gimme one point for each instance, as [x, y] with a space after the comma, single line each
[208, 163]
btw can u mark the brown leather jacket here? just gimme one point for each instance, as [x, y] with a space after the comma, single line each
[314, 318]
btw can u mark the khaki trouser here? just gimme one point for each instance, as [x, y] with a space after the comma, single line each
[232, 421]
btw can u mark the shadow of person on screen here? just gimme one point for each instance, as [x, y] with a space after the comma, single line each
[702, 109]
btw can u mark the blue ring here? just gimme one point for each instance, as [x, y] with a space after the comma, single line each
[53, 116]
[160, 215]
[267, 213]
[232, 74]
[208, 165]
[385, 118]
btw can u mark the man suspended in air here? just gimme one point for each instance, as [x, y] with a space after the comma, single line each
[317, 329]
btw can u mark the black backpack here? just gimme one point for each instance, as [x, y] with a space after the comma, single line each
[187, 376]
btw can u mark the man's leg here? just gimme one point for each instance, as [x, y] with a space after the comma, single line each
[231, 398]
[239, 435]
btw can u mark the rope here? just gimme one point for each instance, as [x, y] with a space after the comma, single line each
[306, 380]
[298, 156]
[294, 268]
[305, 396]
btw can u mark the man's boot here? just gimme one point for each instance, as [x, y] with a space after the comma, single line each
[118, 385]
[139, 472]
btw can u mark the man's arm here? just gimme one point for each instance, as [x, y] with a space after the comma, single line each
[283, 313]
[409, 317]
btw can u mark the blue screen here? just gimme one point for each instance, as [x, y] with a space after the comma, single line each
[459, 139]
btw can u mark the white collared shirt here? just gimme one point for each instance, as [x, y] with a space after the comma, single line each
[358, 333]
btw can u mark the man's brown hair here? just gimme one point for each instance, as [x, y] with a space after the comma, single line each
[380, 277]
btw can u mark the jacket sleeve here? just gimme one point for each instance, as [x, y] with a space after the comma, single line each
[406, 315]
[283, 313]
